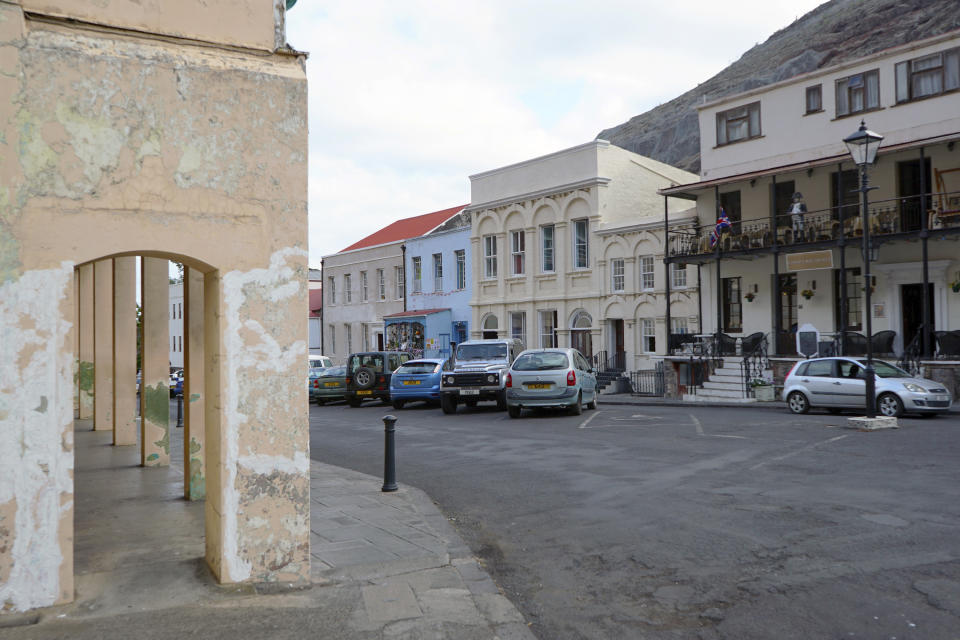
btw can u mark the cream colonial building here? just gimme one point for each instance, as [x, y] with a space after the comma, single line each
[568, 251]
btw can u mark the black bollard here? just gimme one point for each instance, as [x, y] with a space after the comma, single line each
[389, 454]
[179, 411]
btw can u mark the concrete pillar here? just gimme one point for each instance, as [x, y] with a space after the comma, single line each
[155, 385]
[214, 512]
[75, 341]
[194, 474]
[103, 345]
[85, 360]
[125, 351]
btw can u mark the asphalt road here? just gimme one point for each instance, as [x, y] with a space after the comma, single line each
[666, 522]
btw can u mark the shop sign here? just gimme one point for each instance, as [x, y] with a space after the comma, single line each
[810, 260]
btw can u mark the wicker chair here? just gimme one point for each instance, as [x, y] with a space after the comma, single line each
[751, 342]
[855, 344]
[948, 344]
[882, 343]
[728, 345]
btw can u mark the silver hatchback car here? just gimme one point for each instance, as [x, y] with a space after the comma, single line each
[839, 383]
[558, 378]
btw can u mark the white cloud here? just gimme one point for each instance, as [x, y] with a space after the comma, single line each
[408, 99]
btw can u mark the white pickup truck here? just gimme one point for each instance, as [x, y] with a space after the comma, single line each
[476, 372]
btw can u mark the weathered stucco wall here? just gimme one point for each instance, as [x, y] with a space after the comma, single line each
[111, 145]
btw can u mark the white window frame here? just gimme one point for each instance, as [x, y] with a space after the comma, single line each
[347, 288]
[364, 294]
[417, 274]
[333, 338]
[490, 257]
[332, 286]
[678, 276]
[944, 66]
[548, 328]
[438, 272]
[518, 249]
[648, 335]
[522, 335]
[848, 88]
[648, 274]
[381, 284]
[548, 248]
[617, 275]
[461, 258]
[349, 333]
[581, 259]
[400, 284]
[679, 326]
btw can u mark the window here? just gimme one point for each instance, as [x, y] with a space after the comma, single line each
[437, 272]
[820, 369]
[400, 282]
[518, 246]
[616, 273]
[741, 123]
[546, 248]
[548, 329]
[814, 99]
[648, 336]
[489, 256]
[381, 285]
[363, 286]
[730, 203]
[518, 326]
[461, 258]
[928, 76]
[347, 288]
[180, 311]
[678, 275]
[173, 311]
[332, 288]
[333, 338]
[854, 320]
[581, 246]
[732, 310]
[678, 325]
[417, 274]
[859, 92]
[346, 328]
[180, 344]
[646, 273]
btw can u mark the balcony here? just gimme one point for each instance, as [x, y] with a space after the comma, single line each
[897, 217]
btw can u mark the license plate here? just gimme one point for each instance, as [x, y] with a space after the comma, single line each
[538, 385]
[331, 384]
[941, 398]
[411, 382]
[469, 392]
[364, 393]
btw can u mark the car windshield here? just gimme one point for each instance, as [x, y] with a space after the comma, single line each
[541, 361]
[884, 370]
[417, 368]
[316, 371]
[482, 352]
[369, 360]
[333, 372]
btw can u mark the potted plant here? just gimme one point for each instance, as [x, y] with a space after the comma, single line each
[762, 389]
[807, 293]
[955, 285]
[750, 295]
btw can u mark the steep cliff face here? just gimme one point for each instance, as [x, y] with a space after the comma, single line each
[834, 32]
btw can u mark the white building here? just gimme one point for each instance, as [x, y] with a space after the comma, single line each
[315, 313]
[365, 282]
[774, 271]
[176, 326]
[561, 248]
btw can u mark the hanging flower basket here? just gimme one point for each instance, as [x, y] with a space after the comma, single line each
[807, 293]
[955, 285]
[750, 296]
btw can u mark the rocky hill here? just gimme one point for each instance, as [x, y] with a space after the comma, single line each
[834, 32]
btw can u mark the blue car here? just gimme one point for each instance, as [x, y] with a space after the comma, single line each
[416, 380]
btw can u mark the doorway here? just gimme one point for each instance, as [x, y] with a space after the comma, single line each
[909, 188]
[911, 305]
[787, 308]
[617, 353]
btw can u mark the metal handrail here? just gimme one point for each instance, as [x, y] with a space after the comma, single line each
[753, 366]
[910, 359]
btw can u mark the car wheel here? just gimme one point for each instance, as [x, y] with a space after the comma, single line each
[398, 404]
[890, 405]
[470, 404]
[593, 403]
[353, 402]
[502, 401]
[364, 377]
[577, 407]
[797, 402]
[514, 412]
[448, 404]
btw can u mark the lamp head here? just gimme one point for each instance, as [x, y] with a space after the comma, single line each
[863, 145]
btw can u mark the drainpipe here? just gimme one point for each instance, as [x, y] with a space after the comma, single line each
[777, 298]
[403, 258]
[842, 243]
[719, 294]
[666, 265]
[926, 342]
[323, 299]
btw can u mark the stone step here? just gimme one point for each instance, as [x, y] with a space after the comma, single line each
[687, 397]
[722, 385]
[720, 393]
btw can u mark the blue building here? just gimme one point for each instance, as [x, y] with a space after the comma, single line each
[438, 282]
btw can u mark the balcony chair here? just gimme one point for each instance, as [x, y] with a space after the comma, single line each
[948, 344]
[855, 344]
[728, 345]
[882, 343]
[750, 343]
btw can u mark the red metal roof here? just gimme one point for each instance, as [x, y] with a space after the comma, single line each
[414, 313]
[316, 302]
[406, 228]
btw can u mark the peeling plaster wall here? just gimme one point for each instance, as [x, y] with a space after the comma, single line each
[132, 145]
[36, 439]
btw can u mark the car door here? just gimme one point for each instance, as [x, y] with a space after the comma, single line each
[589, 383]
[851, 384]
[819, 379]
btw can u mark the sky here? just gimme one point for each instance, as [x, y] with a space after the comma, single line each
[408, 98]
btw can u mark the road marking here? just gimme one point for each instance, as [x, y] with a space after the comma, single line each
[583, 425]
[800, 450]
[700, 431]
[697, 423]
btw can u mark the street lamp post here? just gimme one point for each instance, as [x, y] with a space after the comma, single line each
[863, 145]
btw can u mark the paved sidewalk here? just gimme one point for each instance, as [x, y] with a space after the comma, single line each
[746, 403]
[385, 565]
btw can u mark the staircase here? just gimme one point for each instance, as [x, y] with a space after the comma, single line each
[725, 384]
[607, 378]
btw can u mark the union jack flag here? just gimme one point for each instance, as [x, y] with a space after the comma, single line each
[723, 224]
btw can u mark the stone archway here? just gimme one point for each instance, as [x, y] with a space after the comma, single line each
[581, 337]
[490, 327]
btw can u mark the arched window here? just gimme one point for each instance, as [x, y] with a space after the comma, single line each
[490, 327]
[580, 338]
